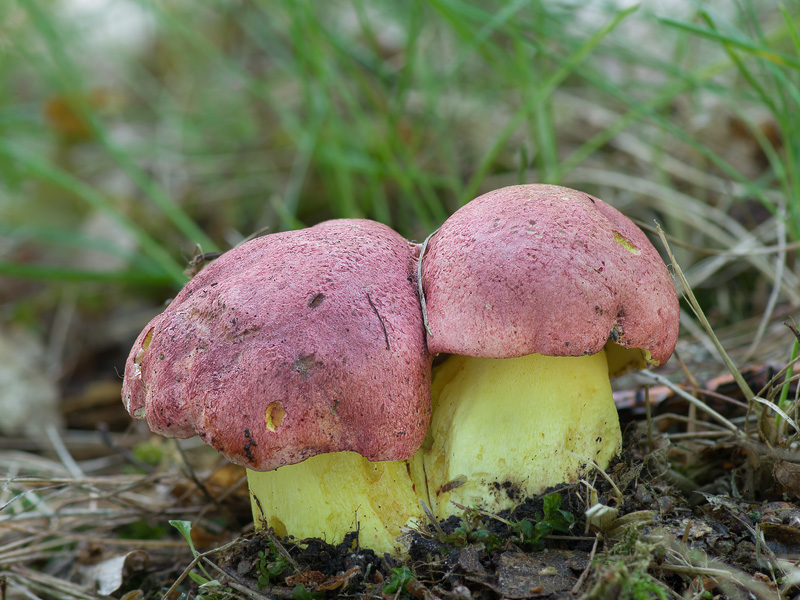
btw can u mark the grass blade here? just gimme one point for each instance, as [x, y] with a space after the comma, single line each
[40, 167]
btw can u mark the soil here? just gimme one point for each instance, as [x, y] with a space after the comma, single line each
[658, 542]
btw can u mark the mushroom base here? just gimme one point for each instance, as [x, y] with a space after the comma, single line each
[505, 429]
[330, 495]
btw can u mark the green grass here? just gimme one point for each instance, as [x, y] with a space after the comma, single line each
[231, 117]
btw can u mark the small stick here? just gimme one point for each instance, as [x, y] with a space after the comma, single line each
[419, 283]
[692, 400]
[60, 448]
[433, 520]
[585, 573]
[649, 419]
[282, 551]
[776, 288]
[691, 425]
[690, 297]
[193, 564]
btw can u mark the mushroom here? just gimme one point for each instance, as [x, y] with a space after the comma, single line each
[540, 293]
[301, 356]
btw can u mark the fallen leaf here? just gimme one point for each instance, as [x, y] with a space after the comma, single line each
[108, 575]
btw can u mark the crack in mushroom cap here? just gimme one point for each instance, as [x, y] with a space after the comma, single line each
[291, 345]
[549, 270]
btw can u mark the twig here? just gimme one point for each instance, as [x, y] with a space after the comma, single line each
[692, 422]
[63, 454]
[585, 572]
[88, 481]
[712, 394]
[429, 514]
[200, 485]
[193, 564]
[776, 287]
[117, 514]
[480, 511]
[419, 283]
[282, 551]
[700, 435]
[687, 290]
[685, 419]
[257, 233]
[53, 585]
[608, 479]
[65, 537]
[649, 418]
[728, 574]
[692, 570]
[235, 583]
[691, 399]
[717, 251]
[60, 330]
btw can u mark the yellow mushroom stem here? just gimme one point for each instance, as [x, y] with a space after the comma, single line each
[505, 429]
[330, 495]
[501, 430]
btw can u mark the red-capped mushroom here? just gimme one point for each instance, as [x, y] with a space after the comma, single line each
[303, 352]
[540, 292]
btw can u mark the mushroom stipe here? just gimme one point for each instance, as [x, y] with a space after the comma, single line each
[306, 356]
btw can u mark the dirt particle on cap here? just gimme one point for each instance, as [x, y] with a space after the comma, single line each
[251, 443]
[303, 364]
[316, 300]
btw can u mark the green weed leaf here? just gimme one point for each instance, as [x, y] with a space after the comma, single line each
[299, 592]
[268, 569]
[400, 578]
[198, 579]
[185, 528]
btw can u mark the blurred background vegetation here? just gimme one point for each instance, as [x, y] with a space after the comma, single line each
[137, 133]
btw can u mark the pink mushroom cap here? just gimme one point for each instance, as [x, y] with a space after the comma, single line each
[549, 270]
[291, 345]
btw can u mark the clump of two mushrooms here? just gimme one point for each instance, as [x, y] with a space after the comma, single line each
[306, 357]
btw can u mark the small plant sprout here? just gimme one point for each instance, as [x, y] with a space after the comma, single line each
[554, 520]
[270, 565]
[397, 583]
[208, 584]
[185, 529]
[529, 534]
